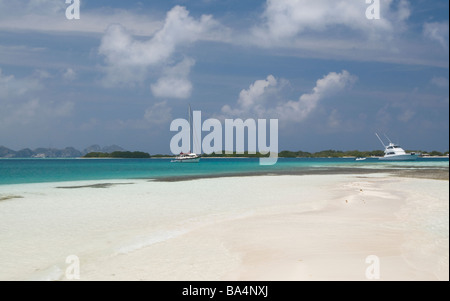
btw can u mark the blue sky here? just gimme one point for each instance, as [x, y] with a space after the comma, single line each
[123, 71]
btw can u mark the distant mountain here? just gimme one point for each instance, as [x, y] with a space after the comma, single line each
[24, 153]
[112, 148]
[107, 149]
[6, 152]
[68, 152]
[93, 148]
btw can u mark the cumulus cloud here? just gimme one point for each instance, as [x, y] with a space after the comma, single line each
[175, 82]
[438, 32]
[247, 98]
[251, 100]
[329, 85]
[128, 58]
[284, 20]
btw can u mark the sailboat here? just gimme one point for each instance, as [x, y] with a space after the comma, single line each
[393, 152]
[189, 157]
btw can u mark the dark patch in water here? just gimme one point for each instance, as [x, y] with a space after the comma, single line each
[427, 173]
[101, 185]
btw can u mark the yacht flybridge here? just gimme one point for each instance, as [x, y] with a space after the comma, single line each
[393, 152]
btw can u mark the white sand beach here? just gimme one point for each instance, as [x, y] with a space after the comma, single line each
[311, 227]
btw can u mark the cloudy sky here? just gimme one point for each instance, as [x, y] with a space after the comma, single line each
[123, 71]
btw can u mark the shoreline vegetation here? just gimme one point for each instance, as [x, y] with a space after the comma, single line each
[283, 154]
[118, 152]
[118, 155]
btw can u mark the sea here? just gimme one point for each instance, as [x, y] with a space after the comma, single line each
[25, 171]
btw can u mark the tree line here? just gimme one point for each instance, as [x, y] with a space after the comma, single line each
[283, 154]
[122, 155]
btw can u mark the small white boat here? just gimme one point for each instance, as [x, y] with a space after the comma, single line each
[187, 158]
[393, 152]
[360, 159]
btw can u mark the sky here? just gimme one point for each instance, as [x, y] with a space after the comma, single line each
[326, 69]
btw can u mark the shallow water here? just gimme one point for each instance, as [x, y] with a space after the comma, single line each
[19, 171]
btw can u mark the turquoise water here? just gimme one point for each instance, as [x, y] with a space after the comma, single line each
[19, 171]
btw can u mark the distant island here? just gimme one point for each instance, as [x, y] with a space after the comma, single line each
[114, 151]
[322, 154]
[122, 155]
[68, 152]
[302, 154]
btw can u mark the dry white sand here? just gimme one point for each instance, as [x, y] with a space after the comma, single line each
[253, 228]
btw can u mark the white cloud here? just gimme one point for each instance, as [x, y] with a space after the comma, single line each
[437, 31]
[441, 82]
[155, 117]
[33, 111]
[340, 30]
[248, 98]
[70, 74]
[49, 16]
[20, 106]
[128, 58]
[251, 101]
[175, 83]
[334, 120]
[17, 7]
[331, 84]
[45, 6]
[407, 115]
[285, 20]
[403, 11]
[42, 74]
[10, 86]
[158, 114]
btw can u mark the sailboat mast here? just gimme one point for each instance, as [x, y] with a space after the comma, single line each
[190, 130]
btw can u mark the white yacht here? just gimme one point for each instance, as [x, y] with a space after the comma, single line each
[393, 152]
[189, 157]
